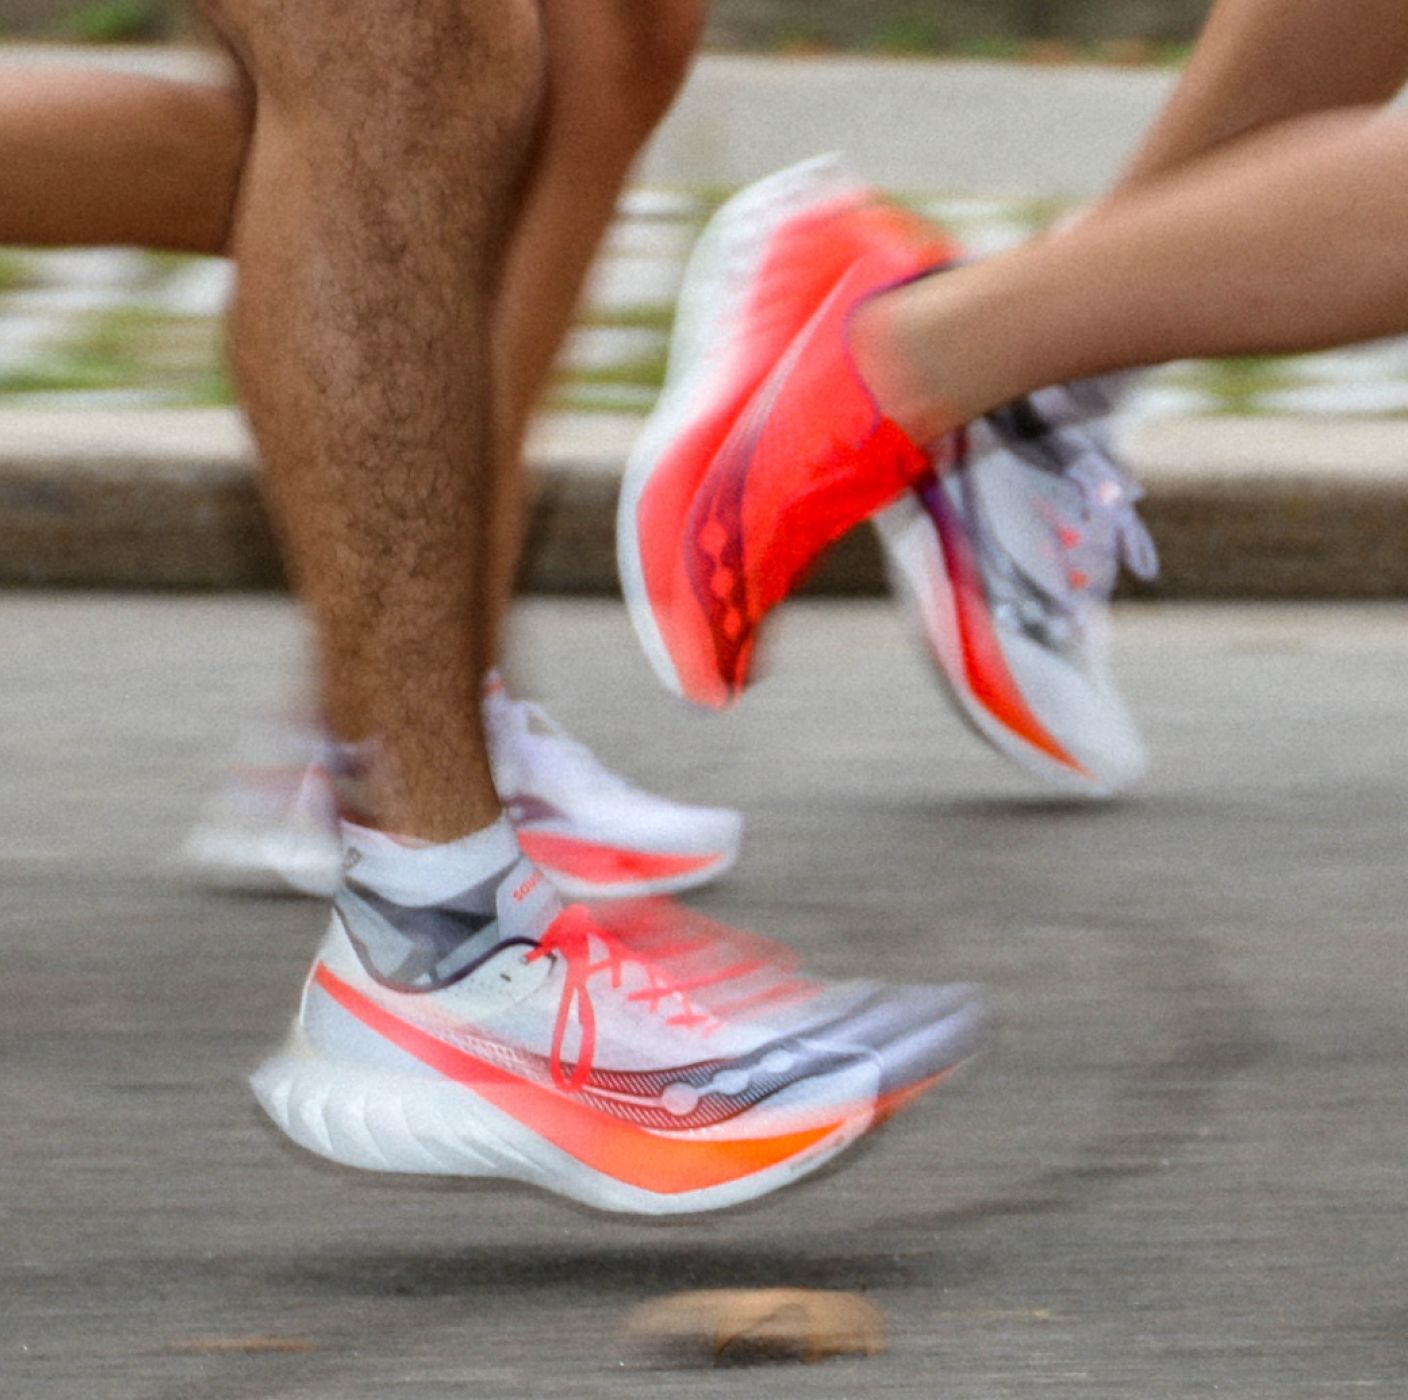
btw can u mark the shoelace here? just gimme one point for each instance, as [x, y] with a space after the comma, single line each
[1107, 531]
[570, 937]
[1113, 532]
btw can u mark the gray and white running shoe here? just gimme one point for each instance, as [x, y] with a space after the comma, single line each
[1006, 562]
[499, 1035]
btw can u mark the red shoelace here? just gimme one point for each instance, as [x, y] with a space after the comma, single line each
[570, 937]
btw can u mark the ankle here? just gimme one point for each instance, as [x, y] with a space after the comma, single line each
[882, 343]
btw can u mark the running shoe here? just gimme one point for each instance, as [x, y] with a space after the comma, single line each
[1006, 559]
[498, 1036]
[273, 827]
[701, 557]
[594, 834]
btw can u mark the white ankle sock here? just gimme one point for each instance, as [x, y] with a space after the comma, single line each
[416, 875]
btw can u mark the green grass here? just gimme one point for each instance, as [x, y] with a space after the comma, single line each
[999, 48]
[14, 271]
[1238, 386]
[173, 358]
[639, 372]
[646, 316]
[565, 400]
[118, 22]
[920, 35]
[907, 36]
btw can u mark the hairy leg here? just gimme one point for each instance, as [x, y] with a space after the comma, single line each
[1289, 240]
[613, 69]
[157, 162]
[95, 157]
[387, 142]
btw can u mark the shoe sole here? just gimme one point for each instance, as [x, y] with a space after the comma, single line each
[260, 866]
[384, 1121]
[573, 887]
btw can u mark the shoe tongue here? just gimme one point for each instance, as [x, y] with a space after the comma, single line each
[1023, 511]
[526, 902]
[421, 947]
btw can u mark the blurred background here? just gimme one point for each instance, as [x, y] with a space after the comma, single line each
[984, 26]
[1011, 113]
[1180, 1171]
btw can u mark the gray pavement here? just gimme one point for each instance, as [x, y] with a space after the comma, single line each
[1179, 1172]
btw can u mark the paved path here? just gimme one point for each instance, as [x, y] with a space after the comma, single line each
[1179, 1173]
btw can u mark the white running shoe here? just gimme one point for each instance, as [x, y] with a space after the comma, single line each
[1006, 561]
[496, 1036]
[274, 825]
[593, 833]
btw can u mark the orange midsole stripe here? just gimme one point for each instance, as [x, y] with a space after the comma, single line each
[632, 1155]
[605, 865]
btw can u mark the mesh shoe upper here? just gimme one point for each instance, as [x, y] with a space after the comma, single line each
[1008, 561]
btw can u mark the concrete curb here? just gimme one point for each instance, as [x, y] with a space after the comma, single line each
[1251, 508]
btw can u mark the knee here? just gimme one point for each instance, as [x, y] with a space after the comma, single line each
[387, 65]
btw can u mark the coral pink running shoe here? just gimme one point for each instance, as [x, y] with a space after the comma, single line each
[697, 573]
[497, 1035]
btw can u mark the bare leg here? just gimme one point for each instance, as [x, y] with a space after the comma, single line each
[387, 141]
[1290, 240]
[157, 163]
[1261, 62]
[89, 158]
[614, 67]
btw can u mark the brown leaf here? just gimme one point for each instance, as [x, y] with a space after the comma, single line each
[210, 1346]
[732, 1326]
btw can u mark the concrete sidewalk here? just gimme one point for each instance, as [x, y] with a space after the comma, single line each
[1241, 508]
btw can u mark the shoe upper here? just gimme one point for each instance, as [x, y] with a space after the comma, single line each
[1009, 559]
[762, 271]
[580, 1012]
[1080, 499]
[551, 783]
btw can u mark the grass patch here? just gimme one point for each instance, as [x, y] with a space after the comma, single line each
[1041, 211]
[118, 22]
[640, 372]
[565, 400]
[646, 316]
[158, 265]
[1238, 386]
[175, 359]
[994, 48]
[15, 271]
[907, 36]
